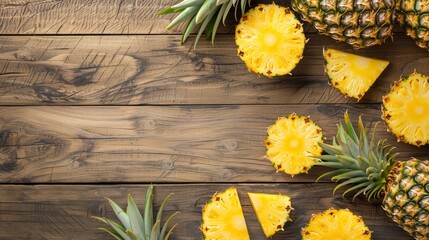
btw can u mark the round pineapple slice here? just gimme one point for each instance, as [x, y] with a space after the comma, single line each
[406, 109]
[336, 224]
[223, 217]
[352, 74]
[292, 142]
[272, 211]
[270, 40]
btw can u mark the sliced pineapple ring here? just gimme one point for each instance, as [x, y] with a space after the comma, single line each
[223, 217]
[291, 143]
[270, 40]
[353, 75]
[406, 109]
[336, 224]
[272, 211]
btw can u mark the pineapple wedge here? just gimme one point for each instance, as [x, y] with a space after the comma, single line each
[223, 217]
[272, 211]
[351, 74]
[336, 224]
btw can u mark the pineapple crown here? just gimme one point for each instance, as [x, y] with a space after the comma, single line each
[136, 226]
[208, 13]
[359, 162]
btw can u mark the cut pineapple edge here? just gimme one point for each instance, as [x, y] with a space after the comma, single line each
[336, 224]
[272, 211]
[352, 74]
[223, 217]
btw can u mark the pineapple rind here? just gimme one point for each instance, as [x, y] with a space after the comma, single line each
[336, 224]
[272, 211]
[223, 218]
[407, 197]
[352, 74]
[406, 109]
[270, 40]
[292, 143]
[358, 23]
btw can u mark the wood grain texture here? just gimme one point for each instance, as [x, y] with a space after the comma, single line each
[123, 70]
[63, 212]
[157, 144]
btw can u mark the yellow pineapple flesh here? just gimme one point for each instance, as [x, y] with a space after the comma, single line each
[272, 211]
[352, 74]
[270, 40]
[406, 109]
[292, 142]
[336, 224]
[223, 217]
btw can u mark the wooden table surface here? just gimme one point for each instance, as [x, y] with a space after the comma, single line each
[99, 100]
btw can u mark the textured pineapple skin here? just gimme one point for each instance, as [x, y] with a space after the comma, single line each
[360, 23]
[406, 198]
[413, 16]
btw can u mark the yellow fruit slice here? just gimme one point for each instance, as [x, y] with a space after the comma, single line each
[272, 211]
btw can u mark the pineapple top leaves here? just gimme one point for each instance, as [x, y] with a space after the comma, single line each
[207, 13]
[362, 163]
[136, 226]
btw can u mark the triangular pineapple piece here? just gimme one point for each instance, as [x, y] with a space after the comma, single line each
[352, 74]
[223, 217]
[272, 211]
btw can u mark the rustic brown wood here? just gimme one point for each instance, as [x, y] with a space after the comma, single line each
[63, 212]
[98, 70]
[167, 144]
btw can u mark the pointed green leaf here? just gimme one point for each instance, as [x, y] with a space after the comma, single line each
[327, 158]
[133, 235]
[349, 128]
[169, 232]
[119, 230]
[103, 220]
[220, 2]
[161, 209]
[350, 174]
[164, 228]
[225, 14]
[330, 149]
[188, 30]
[136, 219]
[243, 6]
[203, 26]
[351, 182]
[205, 10]
[112, 233]
[155, 231]
[348, 161]
[169, 10]
[123, 217]
[148, 214]
[188, 13]
[335, 172]
[217, 21]
[188, 3]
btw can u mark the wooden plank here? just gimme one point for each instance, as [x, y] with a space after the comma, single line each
[97, 17]
[63, 212]
[99, 70]
[157, 144]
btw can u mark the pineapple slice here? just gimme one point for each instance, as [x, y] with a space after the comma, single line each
[272, 211]
[336, 224]
[292, 142]
[353, 75]
[223, 217]
[270, 40]
[406, 109]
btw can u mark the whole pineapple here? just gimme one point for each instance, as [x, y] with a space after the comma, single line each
[406, 109]
[369, 168]
[270, 40]
[413, 15]
[361, 23]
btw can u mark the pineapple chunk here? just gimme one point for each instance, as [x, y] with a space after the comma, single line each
[406, 109]
[270, 40]
[292, 143]
[272, 211]
[223, 217]
[353, 75]
[336, 224]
